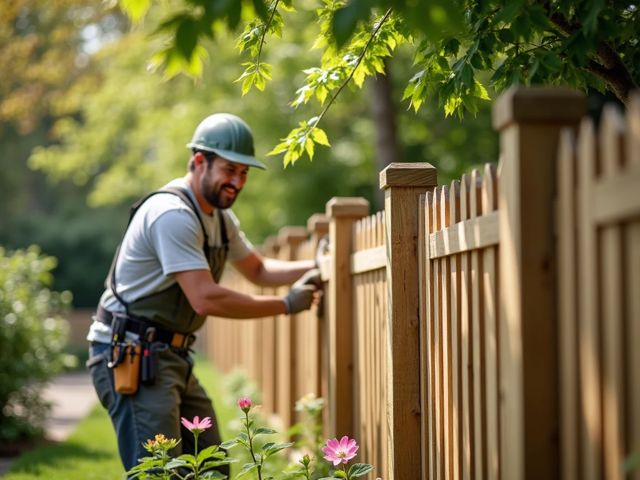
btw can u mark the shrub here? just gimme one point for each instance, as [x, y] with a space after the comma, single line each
[32, 335]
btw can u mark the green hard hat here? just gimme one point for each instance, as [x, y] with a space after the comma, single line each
[227, 136]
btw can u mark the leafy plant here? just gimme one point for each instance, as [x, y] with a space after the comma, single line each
[247, 437]
[32, 336]
[338, 452]
[199, 466]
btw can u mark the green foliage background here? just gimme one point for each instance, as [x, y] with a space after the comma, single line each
[112, 127]
[32, 336]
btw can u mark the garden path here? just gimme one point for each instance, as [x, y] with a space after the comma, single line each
[72, 397]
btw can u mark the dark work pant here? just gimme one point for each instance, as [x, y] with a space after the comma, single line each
[157, 408]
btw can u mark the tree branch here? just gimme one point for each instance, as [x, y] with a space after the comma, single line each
[607, 64]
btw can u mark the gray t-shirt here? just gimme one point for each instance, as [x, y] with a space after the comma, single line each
[165, 237]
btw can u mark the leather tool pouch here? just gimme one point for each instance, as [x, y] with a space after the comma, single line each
[126, 367]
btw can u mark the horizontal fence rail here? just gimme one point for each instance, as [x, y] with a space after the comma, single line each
[483, 329]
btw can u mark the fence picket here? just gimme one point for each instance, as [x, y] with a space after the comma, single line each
[567, 301]
[456, 364]
[611, 141]
[467, 343]
[490, 297]
[479, 354]
[590, 369]
[632, 281]
[429, 401]
[445, 282]
[438, 346]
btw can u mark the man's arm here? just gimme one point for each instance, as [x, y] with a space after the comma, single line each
[208, 298]
[269, 272]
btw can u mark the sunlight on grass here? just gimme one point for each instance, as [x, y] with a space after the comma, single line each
[90, 453]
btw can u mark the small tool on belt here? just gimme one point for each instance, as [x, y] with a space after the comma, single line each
[149, 358]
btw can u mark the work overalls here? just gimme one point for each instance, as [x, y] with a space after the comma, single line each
[176, 393]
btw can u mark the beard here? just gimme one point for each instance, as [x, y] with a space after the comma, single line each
[218, 197]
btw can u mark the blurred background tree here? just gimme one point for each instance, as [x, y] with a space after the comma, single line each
[32, 336]
[94, 125]
[46, 50]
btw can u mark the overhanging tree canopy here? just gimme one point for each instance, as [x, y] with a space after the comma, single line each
[463, 49]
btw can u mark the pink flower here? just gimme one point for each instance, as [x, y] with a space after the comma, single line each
[244, 403]
[340, 451]
[197, 426]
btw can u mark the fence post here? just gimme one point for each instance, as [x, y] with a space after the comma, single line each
[529, 122]
[342, 213]
[318, 227]
[403, 183]
[289, 239]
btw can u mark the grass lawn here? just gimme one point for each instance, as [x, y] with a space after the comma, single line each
[90, 453]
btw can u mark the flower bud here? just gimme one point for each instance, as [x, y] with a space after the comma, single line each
[245, 404]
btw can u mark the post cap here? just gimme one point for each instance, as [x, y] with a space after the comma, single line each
[318, 223]
[292, 235]
[538, 105]
[356, 207]
[418, 174]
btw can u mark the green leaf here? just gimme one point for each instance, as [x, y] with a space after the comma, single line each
[319, 136]
[176, 463]
[209, 452]
[229, 444]
[466, 76]
[345, 20]
[480, 91]
[187, 457]
[135, 9]
[186, 37]
[211, 474]
[590, 23]
[265, 431]
[247, 468]
[234, 13]
[508, 12]
[261, 9]
[452, 103]
[359, 469]
[216, 463]
[309, 148]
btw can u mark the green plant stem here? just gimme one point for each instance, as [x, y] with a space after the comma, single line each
[246, 424]
[195, 454]
[264, 33]
[353, 71]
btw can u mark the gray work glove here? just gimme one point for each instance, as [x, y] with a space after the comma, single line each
[299, 298]
[311, 277]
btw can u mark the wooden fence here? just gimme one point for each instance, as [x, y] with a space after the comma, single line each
[482, 329]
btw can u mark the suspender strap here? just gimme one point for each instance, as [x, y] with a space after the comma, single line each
[186, 198]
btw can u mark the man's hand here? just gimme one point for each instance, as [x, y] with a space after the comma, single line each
[299, 298]
[312, 277]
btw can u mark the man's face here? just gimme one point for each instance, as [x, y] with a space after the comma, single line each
[222, 182]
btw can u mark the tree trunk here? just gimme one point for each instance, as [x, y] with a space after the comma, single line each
[384, 118]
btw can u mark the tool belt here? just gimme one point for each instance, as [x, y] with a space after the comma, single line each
[145, 329]
[136, 362]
